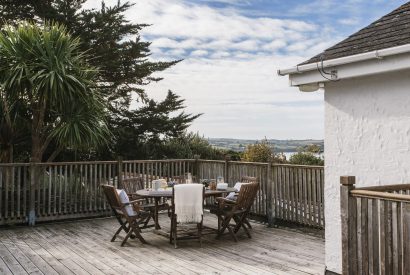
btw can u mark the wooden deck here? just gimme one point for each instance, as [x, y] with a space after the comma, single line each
[84, 247]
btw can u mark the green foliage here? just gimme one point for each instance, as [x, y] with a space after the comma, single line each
[306, 158]
[113, 44]
[261, 152]
[308, 155]
[190, 145]
[44, 72]
[141, 133]
[312, 148]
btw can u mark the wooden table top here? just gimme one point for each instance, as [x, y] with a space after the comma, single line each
[167, 193]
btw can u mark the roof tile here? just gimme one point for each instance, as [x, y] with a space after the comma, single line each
[389, 31]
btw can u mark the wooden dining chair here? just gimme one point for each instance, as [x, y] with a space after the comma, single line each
[237, 211]
[247, 179]
[244, 179]
[131, 186]
[174, 236]
[128, 215]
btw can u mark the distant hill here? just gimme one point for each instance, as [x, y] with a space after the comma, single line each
[239, 145]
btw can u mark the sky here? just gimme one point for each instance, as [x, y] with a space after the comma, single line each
[231, 51]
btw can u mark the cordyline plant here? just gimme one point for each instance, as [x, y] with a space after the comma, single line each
[46, 81]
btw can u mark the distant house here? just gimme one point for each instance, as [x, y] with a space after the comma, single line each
[366, 83]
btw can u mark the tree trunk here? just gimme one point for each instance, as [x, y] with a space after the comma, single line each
[37, 132]
[6, 155]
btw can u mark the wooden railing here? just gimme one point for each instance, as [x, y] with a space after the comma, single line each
[375, 228]
[56, 191]
[292, 193]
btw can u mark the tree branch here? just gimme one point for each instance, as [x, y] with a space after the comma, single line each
[55, 153]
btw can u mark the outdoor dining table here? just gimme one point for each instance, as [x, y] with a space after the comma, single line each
[157, 195]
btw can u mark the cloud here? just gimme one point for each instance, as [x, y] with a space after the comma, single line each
[244, 98]
[229, 71]
[180, 24]
[349, 21]
[199, 53]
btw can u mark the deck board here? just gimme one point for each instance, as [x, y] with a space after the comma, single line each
[84, 247]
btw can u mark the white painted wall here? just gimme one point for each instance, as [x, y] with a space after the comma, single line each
[367, 135]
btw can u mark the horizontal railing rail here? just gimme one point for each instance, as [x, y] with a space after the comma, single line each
[375, 228]
[31, 192]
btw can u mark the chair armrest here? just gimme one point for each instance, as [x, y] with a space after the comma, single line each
[134, 202]
[222, 202]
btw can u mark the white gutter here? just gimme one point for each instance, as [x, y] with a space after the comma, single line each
[346, 60]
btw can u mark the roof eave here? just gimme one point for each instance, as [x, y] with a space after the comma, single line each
[312, 80]
[378, 54]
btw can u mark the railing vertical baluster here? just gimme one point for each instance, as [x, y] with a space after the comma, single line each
[2, 191]
[25, 190]
[119, 173]
[364, 246]
[50, 176]
[349, 226]
[18, 187]
[32, 203]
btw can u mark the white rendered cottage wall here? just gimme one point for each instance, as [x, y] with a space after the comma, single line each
[367, 135]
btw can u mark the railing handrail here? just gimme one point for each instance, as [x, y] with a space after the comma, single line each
[362, 193]
[160, 160]
[263, 163]
[386, 188]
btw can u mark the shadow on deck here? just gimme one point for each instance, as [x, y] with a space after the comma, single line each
[84, 247]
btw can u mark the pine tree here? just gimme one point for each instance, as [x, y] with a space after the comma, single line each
[142, 132]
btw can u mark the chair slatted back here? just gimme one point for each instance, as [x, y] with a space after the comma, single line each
[131, 185]
[246, 179]
[182, 179]
[247, 195]
[112, 196]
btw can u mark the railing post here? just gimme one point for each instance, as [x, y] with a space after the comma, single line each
[269, 203]
[32, 203]
[226, 168]
[119, 176]
[195, 171]
[406, 238]
[348, 209]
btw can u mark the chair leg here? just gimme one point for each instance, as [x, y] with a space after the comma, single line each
[232, 234]
[146, 221]
[134, 232]
[172, 230]
[200, 233]
[126, 237]
[247, 223]
[241, 222]
[238, 224]
[246, 231]
[175, 232]
[138, 235]
[122, 227]
[225, 224]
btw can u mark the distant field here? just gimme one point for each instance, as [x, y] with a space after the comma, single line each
[239, 145]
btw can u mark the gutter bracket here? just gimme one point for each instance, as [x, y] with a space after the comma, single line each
[377, 54]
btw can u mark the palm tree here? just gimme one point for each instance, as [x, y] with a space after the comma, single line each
[43, 71]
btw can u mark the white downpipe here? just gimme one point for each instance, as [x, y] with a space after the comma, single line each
[346, 60]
